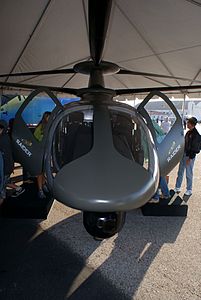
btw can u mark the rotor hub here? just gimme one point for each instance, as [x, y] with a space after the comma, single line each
[87, 67]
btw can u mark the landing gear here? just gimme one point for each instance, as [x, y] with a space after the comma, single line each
[102, 225]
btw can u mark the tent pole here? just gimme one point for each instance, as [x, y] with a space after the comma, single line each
[1, 94]
[183, 107]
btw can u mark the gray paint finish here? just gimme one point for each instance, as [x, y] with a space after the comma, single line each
[103, 180]
[171, 149]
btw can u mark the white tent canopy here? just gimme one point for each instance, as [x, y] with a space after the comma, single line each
[148, 36]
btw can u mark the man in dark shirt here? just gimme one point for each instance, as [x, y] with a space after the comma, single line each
[8, 162]
[5, 148]
[192, 147]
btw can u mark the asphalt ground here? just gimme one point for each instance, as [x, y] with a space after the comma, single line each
[151, 258]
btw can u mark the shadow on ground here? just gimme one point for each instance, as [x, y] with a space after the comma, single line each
[45, 267]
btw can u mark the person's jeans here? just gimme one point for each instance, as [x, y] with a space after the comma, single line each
[189, 173]
[164, 189]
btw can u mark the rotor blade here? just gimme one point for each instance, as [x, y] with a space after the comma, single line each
[129, 72]
[48, 72]
[33, 87]
[162, 89]
[98, 14]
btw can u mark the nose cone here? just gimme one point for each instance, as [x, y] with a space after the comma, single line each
[118, 173]
[104, 184]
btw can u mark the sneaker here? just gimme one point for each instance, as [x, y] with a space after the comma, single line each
[166, 198]
[153, 200]
[177, 190]
[18, 191]
[41, 194]
[188, 193]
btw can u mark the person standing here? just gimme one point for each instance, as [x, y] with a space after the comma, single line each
[192, 147]
[8, 162]
[166, 125]
[38, 134]
[2, 195]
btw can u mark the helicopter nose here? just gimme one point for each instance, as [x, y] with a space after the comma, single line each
[112, 183]
[109, 177]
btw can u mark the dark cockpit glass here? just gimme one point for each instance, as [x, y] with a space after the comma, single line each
[130, 138]
[74, 137]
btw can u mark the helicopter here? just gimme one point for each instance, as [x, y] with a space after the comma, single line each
[98, 155]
